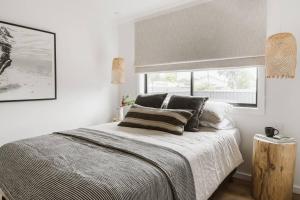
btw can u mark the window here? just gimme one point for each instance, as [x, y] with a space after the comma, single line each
[171, 82]
[236, 86]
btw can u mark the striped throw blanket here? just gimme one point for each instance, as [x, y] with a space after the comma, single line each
[93, 165]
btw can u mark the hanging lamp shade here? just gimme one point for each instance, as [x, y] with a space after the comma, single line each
[281, 56]
[118, 71]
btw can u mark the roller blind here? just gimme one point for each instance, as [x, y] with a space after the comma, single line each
[214, 34]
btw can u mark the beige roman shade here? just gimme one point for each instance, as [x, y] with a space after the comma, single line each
[211, 34]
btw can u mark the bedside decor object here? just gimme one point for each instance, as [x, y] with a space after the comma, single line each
[273, 167]
[281, 56]
[118, 66]
[126, 103]
[115, 119]
[271, 132]
[117, 78]
[27, 63]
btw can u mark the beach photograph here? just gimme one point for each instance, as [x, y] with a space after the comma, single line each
[27, 64]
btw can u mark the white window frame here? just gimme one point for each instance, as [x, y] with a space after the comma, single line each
[261, 100]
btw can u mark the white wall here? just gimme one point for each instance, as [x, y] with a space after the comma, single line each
[282, 96]
[87, 40]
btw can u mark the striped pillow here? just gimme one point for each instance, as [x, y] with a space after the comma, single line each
[166, 120]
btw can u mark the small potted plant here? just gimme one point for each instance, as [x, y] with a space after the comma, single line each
[125, 105]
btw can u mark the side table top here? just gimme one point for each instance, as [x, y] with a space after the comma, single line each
[283, 140]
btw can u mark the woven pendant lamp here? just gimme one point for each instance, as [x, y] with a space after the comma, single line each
[118, 71]
[281, 56]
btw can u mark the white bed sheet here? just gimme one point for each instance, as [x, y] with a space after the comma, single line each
[212, 154]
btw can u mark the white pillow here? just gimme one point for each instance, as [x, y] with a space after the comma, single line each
[215, 111]
[215, 115]
[223, 125]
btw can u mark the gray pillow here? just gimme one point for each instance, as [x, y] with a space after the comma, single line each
[152, 100]
[194, 104]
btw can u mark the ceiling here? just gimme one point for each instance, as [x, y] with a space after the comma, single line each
[133, 9]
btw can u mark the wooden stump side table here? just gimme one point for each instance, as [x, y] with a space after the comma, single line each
[273, 167]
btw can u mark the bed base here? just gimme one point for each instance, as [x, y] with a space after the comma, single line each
[228, 179]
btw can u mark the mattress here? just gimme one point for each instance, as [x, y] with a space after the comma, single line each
[213, 154]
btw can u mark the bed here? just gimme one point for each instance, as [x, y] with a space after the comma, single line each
[112, 162]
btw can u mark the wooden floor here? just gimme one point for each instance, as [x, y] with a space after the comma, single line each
[237, 190]
[234, 190]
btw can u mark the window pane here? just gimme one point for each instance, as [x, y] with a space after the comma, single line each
[230, 85]
[170, 82]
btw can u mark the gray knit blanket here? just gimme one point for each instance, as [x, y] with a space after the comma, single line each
[93, 165]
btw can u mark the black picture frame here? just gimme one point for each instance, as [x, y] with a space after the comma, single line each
[54, 64]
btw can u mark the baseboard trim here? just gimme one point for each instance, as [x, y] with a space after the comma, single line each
[247, 177]
[242, 175]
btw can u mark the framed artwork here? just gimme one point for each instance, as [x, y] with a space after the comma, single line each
[27, 63]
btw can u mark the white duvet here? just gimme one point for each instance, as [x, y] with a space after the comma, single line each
[212, 154]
